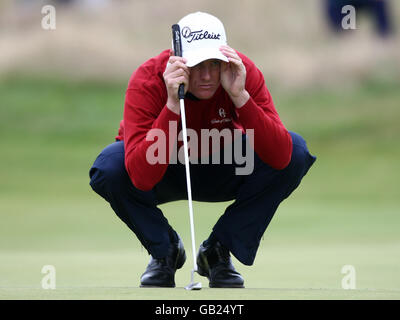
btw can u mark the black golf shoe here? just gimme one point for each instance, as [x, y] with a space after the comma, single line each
[214, 262]
[161, 272]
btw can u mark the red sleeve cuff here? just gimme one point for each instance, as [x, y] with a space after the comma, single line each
[247, 111]
[164, 117]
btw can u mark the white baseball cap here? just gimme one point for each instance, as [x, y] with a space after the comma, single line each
[202, 34]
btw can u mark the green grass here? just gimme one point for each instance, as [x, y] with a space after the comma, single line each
[346, 211]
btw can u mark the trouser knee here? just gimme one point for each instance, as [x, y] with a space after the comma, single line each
[108, 173]
[301, 159]
[109, 178]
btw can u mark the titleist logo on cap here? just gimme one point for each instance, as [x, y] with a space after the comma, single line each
[202, 26]
[198, 35]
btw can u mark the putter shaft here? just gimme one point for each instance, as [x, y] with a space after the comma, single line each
[188, 182]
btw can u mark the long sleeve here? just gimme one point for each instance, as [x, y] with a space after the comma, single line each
[138, 123]
[272, 142]
[145, 113]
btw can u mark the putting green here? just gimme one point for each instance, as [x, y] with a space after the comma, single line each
[346, 212]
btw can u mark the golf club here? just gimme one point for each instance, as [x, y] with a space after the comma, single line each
[176, 36]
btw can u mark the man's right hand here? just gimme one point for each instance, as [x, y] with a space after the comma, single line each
[175, 74]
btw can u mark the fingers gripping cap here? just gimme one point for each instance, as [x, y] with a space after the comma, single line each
[202, 34]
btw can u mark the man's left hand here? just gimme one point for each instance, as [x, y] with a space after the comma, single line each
[233, 77]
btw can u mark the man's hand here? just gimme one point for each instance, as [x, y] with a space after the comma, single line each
[175, 74]
[233, 77]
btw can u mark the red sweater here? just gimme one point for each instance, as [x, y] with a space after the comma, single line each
[145, 109]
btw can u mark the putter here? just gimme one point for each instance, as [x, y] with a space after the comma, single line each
[176, 36]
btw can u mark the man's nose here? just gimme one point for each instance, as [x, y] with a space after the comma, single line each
[205, 73]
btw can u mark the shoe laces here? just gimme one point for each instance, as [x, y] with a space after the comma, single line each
[222, 253]
[219, 255]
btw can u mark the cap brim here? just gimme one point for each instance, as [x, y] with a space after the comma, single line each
[196, 56]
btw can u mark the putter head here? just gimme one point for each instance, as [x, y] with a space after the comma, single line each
[194, 286]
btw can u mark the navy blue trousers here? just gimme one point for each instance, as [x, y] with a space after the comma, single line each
[240, 228]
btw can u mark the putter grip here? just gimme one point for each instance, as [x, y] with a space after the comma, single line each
[176, 40]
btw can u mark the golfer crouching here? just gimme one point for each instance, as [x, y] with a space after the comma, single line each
[239, 150]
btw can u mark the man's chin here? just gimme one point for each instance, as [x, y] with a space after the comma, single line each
[204, 94]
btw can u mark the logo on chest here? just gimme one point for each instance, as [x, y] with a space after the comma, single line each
[222, 117]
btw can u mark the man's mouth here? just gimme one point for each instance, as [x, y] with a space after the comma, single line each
[206, 86]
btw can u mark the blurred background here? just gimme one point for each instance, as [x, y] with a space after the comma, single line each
[61, 100]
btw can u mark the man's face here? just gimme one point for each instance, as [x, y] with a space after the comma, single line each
[204, 78]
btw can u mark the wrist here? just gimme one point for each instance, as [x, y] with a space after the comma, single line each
[241, 99]
[174, 106]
